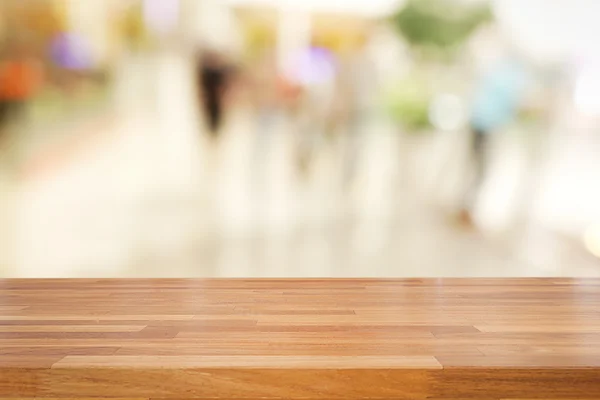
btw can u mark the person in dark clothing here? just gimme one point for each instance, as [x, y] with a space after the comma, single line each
[213, 81]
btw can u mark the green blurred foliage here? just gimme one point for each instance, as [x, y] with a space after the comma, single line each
[407, 102]
[439, 25]
[435, 30]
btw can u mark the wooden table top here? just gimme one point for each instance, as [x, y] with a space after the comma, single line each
[296, 338]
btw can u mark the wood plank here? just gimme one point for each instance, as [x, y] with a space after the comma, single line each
[486, 339]
[70, 398]
[251, 362]
[541, 327]
[71, 328]
[216, 384]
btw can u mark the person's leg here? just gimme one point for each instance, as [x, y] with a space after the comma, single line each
[4, 110]
[213, 116]
[479, 157]
[478, 161]
[217, 116]
[354, 132]
[10, 111]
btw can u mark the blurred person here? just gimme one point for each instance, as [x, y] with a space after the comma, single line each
[267, 103]
[496, 103]
[20, 77]
[314, 69]
[213, 79]
[308, 124]
[357, 85]
[289, 95]
[265, 91]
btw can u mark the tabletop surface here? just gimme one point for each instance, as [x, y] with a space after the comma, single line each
[237, 325]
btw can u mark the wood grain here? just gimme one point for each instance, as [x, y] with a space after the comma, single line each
[485, 339]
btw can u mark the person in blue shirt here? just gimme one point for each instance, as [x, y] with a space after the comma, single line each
[496, 103]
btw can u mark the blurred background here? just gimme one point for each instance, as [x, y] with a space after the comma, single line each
[299, 138]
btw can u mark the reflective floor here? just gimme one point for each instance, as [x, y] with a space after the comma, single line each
[145, 193]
